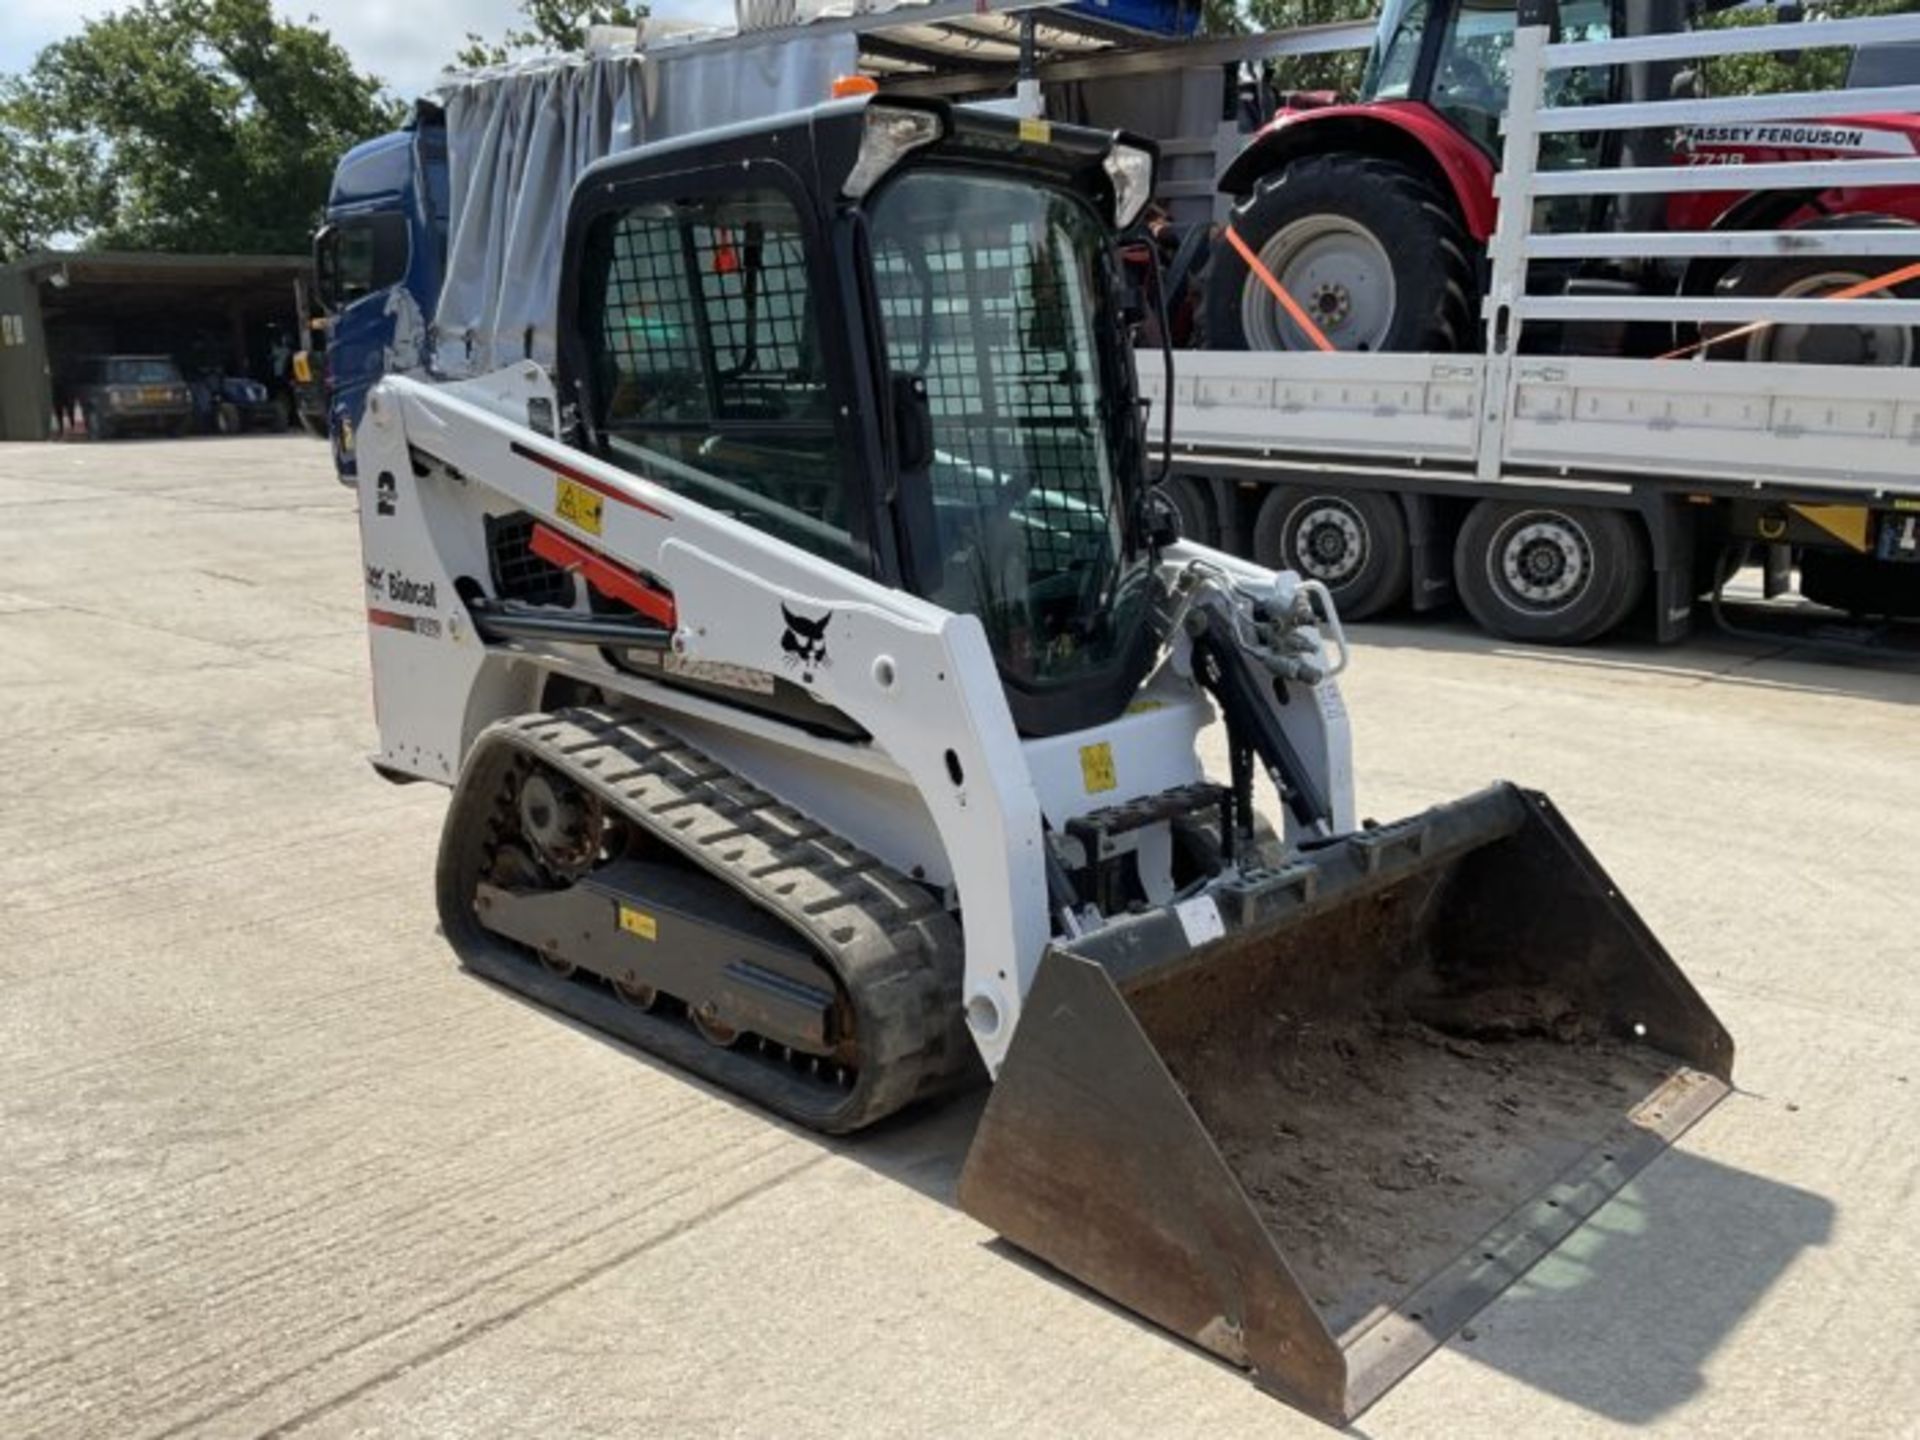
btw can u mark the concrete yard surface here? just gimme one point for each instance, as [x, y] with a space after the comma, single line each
[274, 1165]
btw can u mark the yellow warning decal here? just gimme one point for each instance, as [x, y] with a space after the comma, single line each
[638, 922]
[1036, 132]
[1146, 707]
[1096, 767]
[1846, 523]
[576, 504]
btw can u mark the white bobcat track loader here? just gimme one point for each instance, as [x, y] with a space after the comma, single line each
[819, 685]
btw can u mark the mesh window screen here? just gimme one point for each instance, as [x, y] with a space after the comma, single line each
[709, 357]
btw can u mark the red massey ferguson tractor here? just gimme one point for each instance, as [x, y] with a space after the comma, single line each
[1373, 215]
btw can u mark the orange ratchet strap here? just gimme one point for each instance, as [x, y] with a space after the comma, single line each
[1277, 290]
[1850, 292]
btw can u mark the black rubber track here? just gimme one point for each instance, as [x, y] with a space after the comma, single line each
[886, 943]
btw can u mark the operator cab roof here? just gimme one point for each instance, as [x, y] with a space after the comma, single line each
[820, 145]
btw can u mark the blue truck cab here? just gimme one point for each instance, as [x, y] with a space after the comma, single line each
[379, 260]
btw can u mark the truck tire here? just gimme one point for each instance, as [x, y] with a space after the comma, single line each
[1860, 584]
[1809, 277]
[1353, 542]
[1551, 574]
[1367, 247]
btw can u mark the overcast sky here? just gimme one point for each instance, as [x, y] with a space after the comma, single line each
[404, 42]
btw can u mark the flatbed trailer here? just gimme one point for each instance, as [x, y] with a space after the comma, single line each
[1711, 461]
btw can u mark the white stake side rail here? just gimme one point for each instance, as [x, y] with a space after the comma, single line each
[1503, 417]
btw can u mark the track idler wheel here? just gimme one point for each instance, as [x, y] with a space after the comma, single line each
[562, 822]
[714, 1030]
[632, 993]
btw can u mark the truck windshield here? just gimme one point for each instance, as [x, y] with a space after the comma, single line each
[1000, 295]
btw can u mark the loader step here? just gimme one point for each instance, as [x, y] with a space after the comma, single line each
[700, 920]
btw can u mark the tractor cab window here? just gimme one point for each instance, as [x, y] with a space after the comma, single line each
[999, 297]
[1396, 51]
[706, 362]
[1876, 65]
[1474, 72]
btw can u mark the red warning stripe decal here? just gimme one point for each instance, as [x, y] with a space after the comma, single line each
[394, 620]
[611, 580]
[581, 477]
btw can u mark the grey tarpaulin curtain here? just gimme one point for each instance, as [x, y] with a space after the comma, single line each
[517, 139]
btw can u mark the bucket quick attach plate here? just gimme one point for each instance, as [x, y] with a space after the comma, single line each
[1415, 1061]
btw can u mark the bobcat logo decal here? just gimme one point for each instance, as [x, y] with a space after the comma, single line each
[805, 643]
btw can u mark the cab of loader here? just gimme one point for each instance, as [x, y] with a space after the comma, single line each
[891, 333]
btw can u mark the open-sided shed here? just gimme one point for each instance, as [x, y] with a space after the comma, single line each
[204, 310]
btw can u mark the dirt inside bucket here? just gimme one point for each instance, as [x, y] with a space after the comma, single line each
[1387, 1087]
[1377, 1149]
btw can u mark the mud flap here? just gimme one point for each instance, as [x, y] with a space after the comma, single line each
[1316, 1145]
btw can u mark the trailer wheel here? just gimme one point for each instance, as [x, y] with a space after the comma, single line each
[1192, 501]
[1554, 574]
[1368, 248]
[1355, 543]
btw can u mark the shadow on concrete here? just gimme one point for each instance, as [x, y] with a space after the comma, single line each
[1709, 656]
[1621, 1318]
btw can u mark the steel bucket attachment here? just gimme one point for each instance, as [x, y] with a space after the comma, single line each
[1319, 1142]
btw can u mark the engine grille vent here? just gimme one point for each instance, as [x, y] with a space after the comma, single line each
[518, 573]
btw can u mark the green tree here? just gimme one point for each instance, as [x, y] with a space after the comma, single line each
[1339, 70]
[182, 125]
[553, 27]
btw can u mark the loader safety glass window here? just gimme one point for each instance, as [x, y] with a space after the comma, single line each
[706, 362]
[1000, 295]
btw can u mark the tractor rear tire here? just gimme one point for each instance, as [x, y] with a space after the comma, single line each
[1809, 277]
[1368, 248]
[1549, 574]
[1352, 541]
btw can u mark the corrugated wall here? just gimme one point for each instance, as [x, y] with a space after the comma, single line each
[26, 391]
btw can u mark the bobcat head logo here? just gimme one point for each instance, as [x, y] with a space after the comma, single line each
[805, 642]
